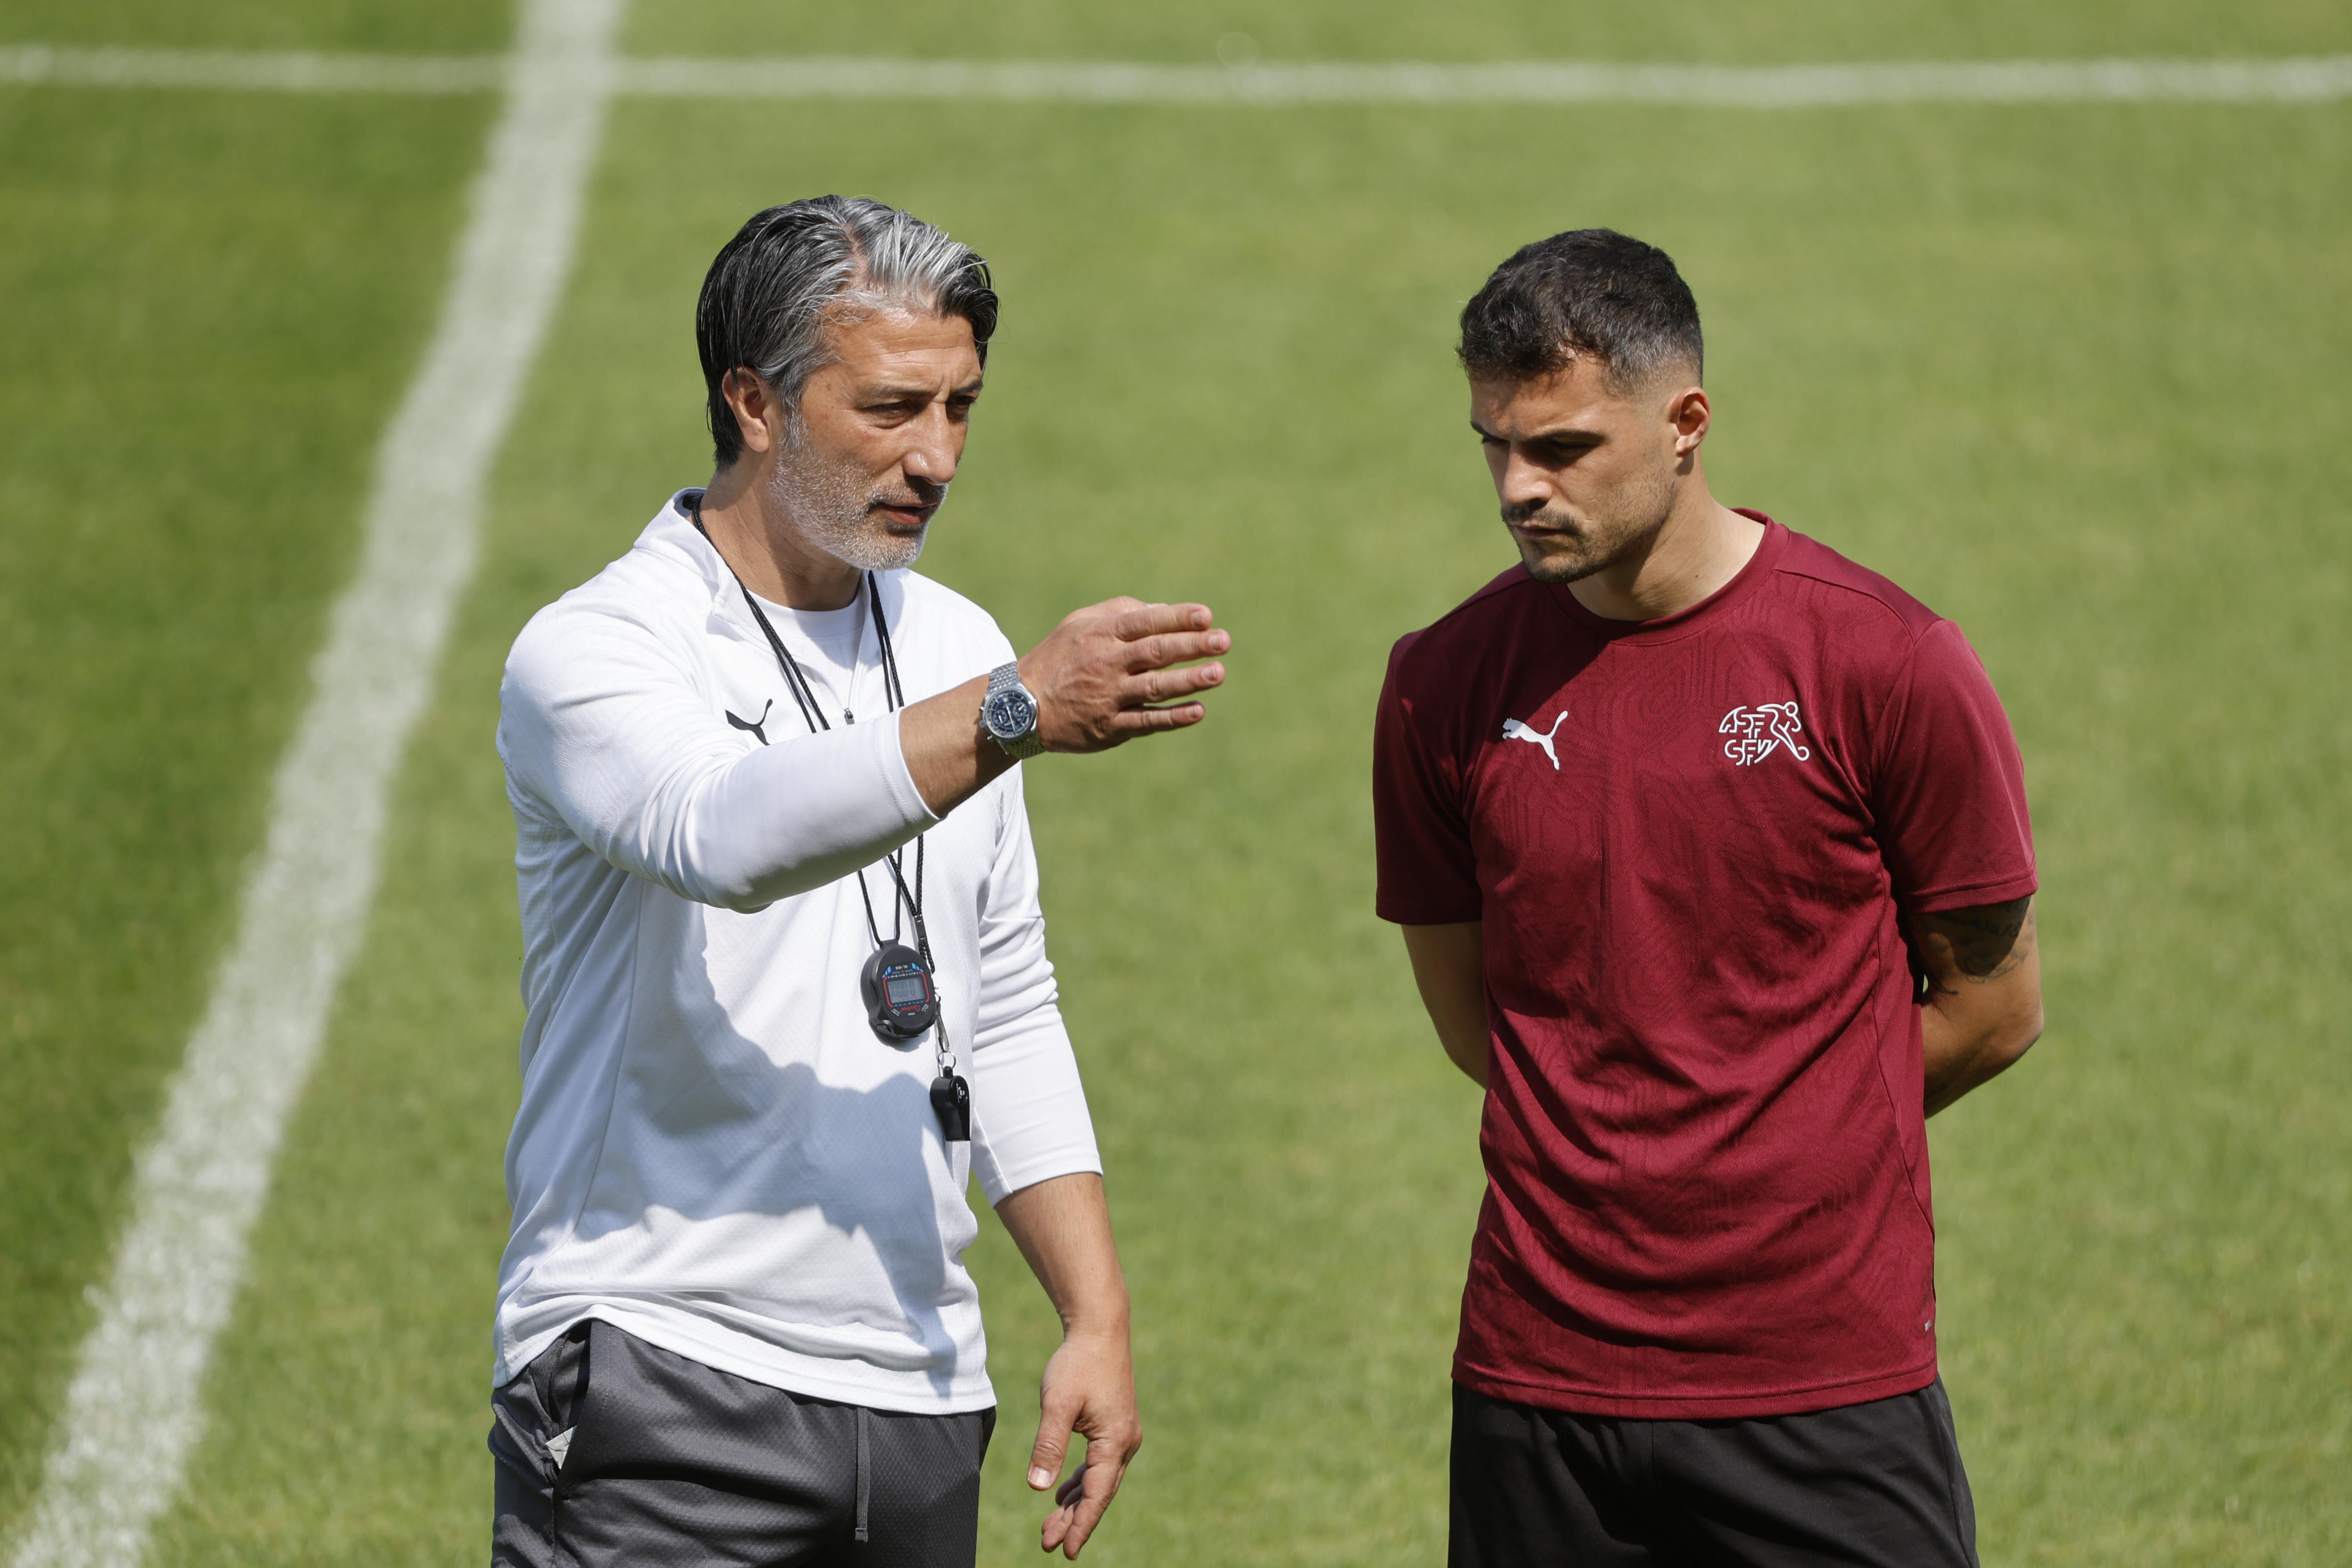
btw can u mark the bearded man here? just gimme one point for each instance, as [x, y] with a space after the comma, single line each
[1711, 852]
[785, 970]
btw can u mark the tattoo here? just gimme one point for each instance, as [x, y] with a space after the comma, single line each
[1979, 944]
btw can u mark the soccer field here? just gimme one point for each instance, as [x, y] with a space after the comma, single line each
[2073, 373]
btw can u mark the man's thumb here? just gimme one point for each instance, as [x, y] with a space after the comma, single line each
[1052, 1442]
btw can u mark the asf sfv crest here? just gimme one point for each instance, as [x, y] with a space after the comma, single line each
[1756, 733]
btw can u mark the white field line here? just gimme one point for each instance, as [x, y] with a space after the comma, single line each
[134, 1410]
[1741, 86]
[2318, 78]
[288, 71]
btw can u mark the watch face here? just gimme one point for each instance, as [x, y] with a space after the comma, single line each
[1009, 714]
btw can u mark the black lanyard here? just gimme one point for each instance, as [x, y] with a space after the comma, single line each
[902, 1000]
[903, 901]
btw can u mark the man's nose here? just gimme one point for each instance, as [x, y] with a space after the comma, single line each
[1521, 482]
[933, 457]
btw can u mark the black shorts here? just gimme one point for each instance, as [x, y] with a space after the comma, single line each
[1877, 1485]
[613, 1451]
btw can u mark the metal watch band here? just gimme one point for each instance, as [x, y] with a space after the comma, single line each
[1007, 678]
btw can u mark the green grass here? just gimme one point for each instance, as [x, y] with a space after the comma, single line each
[1718, 31]
[407, 27]
[2073, 374]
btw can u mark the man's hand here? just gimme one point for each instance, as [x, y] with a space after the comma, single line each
[1088, 1389]
[1063, 1228]
[1100, 678]
[1106, 673]
[1983, 1006]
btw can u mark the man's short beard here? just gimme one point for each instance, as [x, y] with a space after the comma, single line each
[1603, 542]
[1573, 565]
[831, 506]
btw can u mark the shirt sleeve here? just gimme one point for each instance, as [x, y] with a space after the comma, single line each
[600, 723]
[1428, 872]
[1030, 1122]
[1949, 788]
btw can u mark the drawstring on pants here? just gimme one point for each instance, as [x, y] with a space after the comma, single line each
[864, 1465]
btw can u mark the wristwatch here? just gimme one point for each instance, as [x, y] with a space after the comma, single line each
[1008, 713]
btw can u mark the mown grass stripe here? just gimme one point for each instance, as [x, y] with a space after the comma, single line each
[2310, 79]
[134, 1410]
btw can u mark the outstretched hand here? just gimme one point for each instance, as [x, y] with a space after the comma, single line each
[1106, 675]
[1108, 672]
[1089, 1390]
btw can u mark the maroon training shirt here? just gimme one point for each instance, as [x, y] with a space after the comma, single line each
[1688, 839]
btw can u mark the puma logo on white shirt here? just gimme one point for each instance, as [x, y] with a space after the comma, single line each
[1515, 731]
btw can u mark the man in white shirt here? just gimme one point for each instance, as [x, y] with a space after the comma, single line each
[784, 966]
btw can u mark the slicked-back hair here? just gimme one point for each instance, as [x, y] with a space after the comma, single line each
[793, 272]
[1589, 292]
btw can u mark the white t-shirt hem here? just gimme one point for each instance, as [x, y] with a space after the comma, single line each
[835, 1378]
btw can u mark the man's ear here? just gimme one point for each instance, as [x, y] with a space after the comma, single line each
[1691, 414]
[753, 402]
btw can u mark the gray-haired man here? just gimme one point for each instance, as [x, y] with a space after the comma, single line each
[785, 970]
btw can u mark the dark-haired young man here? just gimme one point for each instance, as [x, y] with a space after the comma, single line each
[785, 971]
[1711, 853]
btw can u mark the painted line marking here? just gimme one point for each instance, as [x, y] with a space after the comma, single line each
[1742, 87]
[134, 1411]
[293, 71]
[2320, 78]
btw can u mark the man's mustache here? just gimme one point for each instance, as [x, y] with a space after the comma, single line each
[924, 495]
[1538, 511]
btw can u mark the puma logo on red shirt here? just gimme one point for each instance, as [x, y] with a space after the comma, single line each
[1515, 731]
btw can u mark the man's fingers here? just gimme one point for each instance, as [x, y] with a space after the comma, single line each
[1056, 1528]
[1109, 674]
[1151, 620]
[1158, 686]
[1175, 648]
[1068, 1526]
[1092, 1488]
[1129, 722]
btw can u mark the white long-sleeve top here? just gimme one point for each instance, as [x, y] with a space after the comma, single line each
[714, 1151]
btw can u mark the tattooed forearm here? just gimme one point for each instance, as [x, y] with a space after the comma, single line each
[1982, 1008]
[1978, 944]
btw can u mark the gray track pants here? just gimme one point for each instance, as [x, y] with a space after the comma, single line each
[613, 1451]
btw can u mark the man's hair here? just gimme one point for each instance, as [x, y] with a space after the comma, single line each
[794, 273]
[1591, 292]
